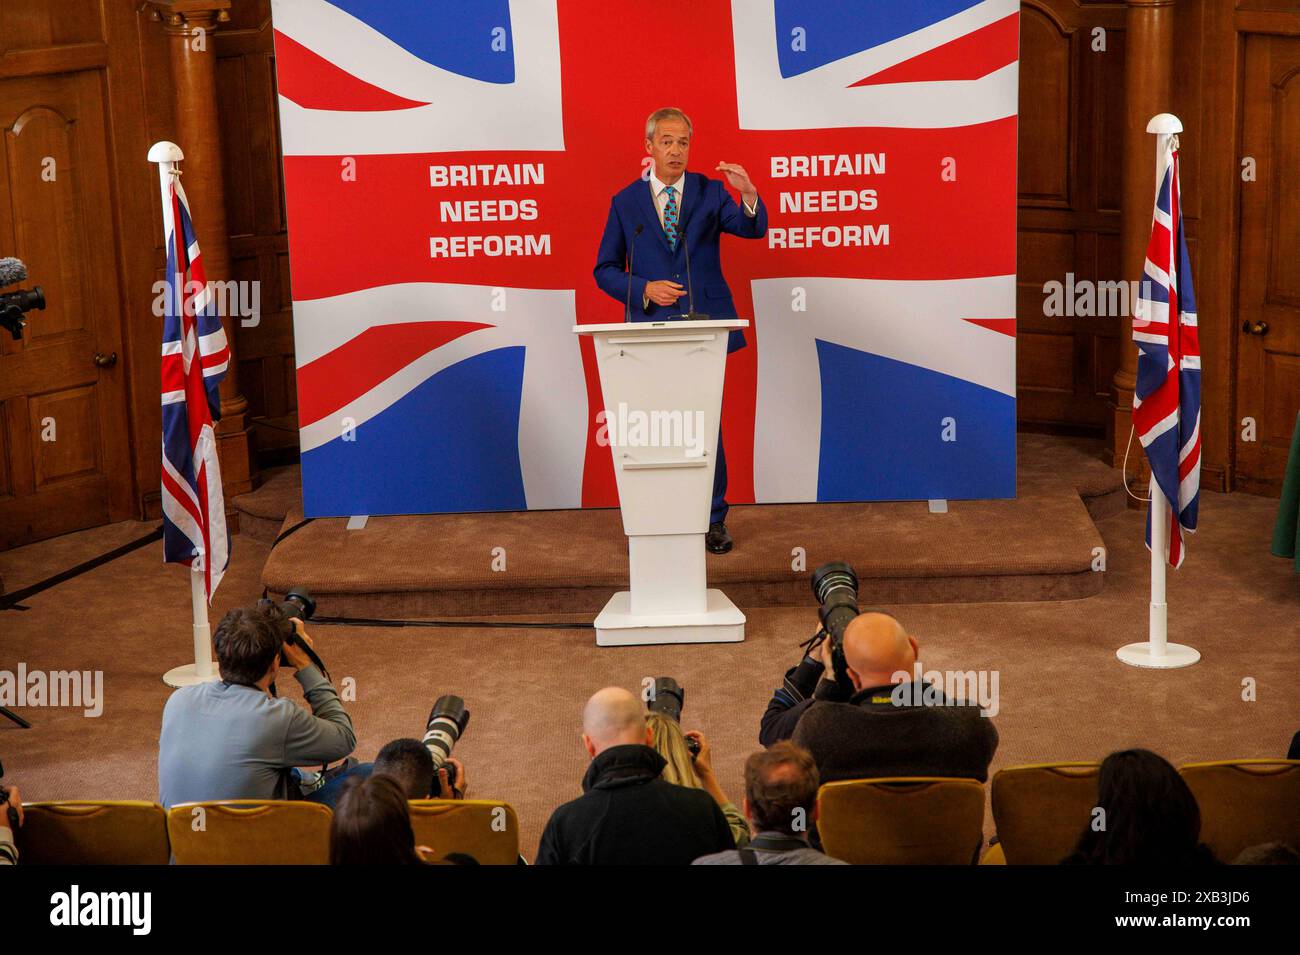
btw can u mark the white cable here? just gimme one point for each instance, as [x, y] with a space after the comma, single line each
[1127, 490]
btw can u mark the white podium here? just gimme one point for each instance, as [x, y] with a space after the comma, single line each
[662, 384]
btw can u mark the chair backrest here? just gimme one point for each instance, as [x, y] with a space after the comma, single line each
[1246, 802]
[902, 820]
[250, 832]
[485, 829]
[1041, 810]
[85, 832]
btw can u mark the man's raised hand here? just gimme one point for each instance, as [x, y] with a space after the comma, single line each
[739, 180]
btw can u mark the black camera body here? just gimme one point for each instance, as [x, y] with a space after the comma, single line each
[298, 604]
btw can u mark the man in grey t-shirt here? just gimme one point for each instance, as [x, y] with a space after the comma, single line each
[781, 804]
[233, 739]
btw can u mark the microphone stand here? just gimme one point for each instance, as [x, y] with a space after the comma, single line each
[691, 315]
[631, 256]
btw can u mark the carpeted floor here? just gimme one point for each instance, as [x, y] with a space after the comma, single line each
[1063, 695]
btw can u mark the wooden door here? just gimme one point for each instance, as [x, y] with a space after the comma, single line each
[1268, 316]
[64, 458]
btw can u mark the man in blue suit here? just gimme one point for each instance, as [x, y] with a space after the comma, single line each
[654, 224]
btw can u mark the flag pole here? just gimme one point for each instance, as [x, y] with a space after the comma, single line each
[1157, 652]
[167, 155]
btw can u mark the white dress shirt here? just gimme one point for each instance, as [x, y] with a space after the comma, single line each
[659, 193]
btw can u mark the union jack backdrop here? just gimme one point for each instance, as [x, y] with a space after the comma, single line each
[1167, 398]
[448, 172]
[194, 360]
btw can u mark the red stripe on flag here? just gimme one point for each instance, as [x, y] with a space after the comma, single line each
[345, 374]
[313, 82]
[1006, 326]
[968, 57]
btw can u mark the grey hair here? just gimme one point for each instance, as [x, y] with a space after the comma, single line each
[668, 112]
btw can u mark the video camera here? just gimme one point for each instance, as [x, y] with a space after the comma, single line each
[14, 304]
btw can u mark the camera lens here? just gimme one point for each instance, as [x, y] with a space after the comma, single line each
[447, 721]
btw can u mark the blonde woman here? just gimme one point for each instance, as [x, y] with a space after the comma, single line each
[670, 742]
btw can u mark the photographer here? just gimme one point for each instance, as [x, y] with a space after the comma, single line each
[692, 767]
[408, 761]
[868, 722]
[808, 679]
[235, 739]
[628, 813]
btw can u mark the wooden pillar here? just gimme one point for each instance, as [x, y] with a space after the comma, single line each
[1148, 89]
[189, 25]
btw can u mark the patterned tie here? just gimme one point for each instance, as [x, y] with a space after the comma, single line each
[670, 217]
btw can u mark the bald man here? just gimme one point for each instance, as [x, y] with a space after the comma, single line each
[872, 723]
[887, 728]
[628, 814]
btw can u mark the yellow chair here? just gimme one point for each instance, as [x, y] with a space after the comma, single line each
[902, 820]
[86, 832]
[1246, 802]
[994, 855]
[485, 829]
[250, 832]
[1041, 810]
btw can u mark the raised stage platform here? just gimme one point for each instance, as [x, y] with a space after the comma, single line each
[1039, 546]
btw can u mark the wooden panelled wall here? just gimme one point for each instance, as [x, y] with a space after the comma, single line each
[259, 245]
[1071, 143]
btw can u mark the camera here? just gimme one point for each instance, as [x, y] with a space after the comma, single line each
[298, 604]
[835, 587]
[14, 304]
[668, 697]
[447, 722]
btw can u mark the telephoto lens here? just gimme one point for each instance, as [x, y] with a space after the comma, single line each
[668, 698]
[835, 586]
[447, 721]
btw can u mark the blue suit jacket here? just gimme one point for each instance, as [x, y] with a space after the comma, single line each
[706, 211]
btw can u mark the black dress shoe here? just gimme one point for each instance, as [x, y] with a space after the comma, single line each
[717, 540]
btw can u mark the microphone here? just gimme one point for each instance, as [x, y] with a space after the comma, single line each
[631, 255]
[11, 271]
[691, 315]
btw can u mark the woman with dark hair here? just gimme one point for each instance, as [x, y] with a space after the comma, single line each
[372, 825]
[1149, 816]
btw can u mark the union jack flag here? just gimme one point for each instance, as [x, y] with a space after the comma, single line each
[1167, 398]
[194, 359]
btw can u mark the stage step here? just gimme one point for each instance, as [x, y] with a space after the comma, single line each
[1040, 546]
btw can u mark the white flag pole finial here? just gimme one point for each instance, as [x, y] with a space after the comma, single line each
[1157, 652]
[167, 155]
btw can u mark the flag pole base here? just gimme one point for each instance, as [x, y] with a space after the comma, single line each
[1175, 655]
[188, 675]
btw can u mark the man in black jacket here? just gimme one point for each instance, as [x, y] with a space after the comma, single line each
[890, 723]
[628, 815]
